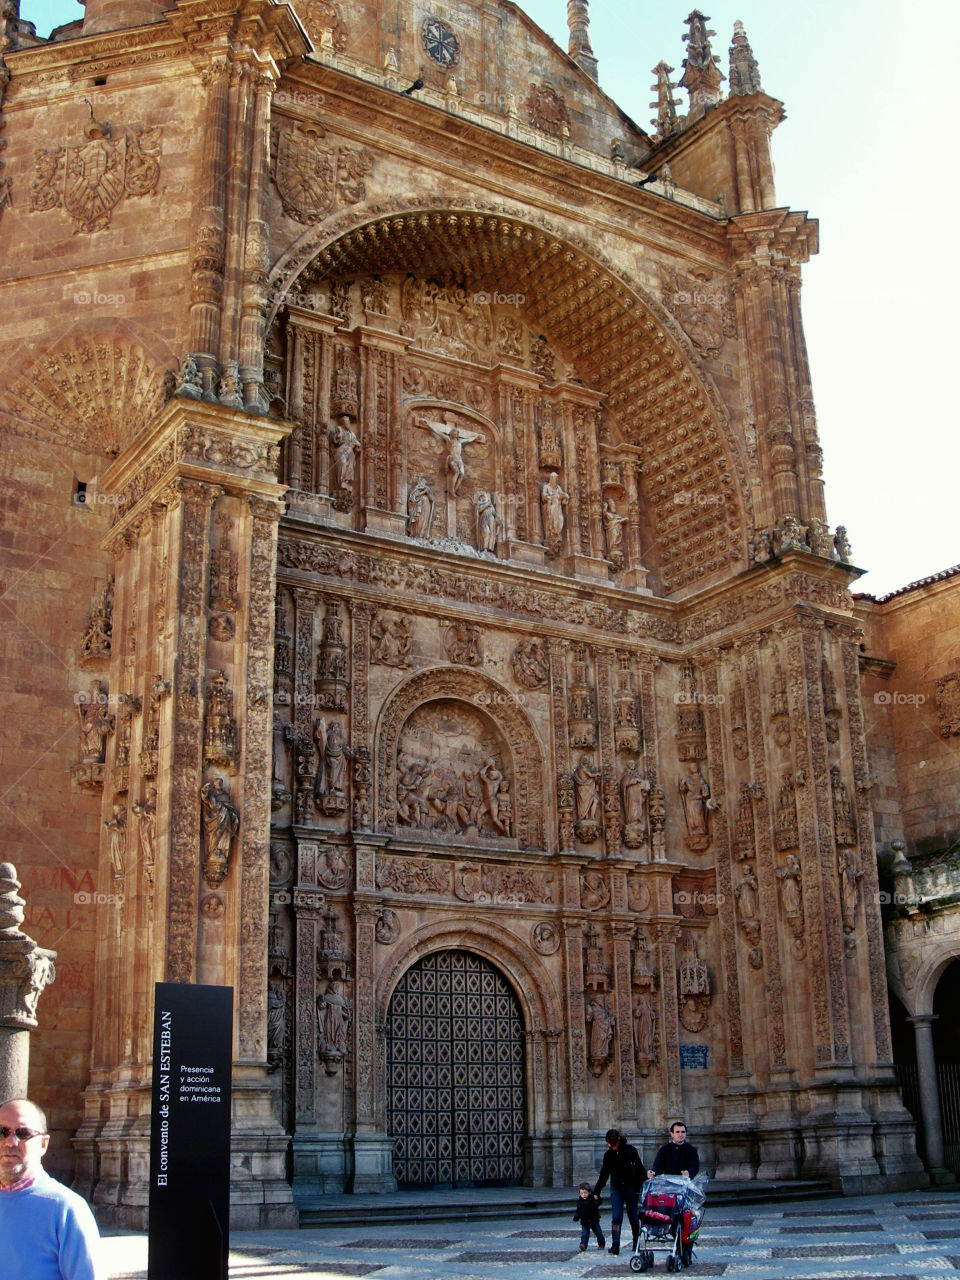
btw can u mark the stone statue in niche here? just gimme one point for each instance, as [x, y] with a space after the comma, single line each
[634, 788]
[489, 524]
[346, 446]
[333, 1020]
[586, 779]
[95, 723]
[850, 877]
[146, 812]
[332, 751]
[790, 876]
[420, 509]
[116, 824]
[455, 439]
[747, 894]
[284, 735]
[697, 804]
[644, 1027]
[531, 666]
[613, 524]
[220, 822]
[553, 499]
[391, 641]
[601, 1023]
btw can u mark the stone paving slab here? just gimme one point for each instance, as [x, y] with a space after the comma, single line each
[911, 1238]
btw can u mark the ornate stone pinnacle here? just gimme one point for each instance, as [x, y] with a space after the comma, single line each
[578, 20]
[701, 69]
[666, 104]
[744, 72]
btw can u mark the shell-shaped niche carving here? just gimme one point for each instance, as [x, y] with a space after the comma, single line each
[454, 774]
[89, 392]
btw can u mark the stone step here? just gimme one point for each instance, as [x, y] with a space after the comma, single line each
[339, 1211]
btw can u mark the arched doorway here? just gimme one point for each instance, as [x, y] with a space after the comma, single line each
[456, 1102]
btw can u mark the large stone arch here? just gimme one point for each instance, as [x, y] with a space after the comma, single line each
[467, 685]
[539, 1000]
[621, 341]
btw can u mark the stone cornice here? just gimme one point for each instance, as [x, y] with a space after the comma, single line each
[271, 31]
[382, 114]
[196, 441]
[396, 574]
[772, 235]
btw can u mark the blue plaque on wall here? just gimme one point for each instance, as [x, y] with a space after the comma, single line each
[189, 1227]
[694, 1057]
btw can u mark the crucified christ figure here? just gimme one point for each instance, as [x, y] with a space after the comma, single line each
[455, 440]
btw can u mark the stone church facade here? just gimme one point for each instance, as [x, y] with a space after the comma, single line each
[426, 617]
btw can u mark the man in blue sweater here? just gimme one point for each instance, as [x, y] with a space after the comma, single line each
[47, 1231]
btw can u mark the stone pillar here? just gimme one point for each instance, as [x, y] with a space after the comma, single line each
[25, 969]
[930, 1096]
[205, 476]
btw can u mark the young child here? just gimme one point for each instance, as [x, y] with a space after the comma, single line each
[588, 1215]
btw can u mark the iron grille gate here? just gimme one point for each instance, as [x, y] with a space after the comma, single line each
[455, 1074]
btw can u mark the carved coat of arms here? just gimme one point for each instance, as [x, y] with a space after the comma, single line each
[313, 178]
[90, 179]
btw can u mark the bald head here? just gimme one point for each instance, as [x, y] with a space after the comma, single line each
[21, 1156]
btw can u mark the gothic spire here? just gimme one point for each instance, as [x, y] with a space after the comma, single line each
[666, 104]
[701, 70]
[744, 72]
[578, 20]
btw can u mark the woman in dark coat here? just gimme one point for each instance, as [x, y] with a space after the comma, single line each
[623, 1166]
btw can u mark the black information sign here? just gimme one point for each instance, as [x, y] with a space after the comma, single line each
[190, 1132]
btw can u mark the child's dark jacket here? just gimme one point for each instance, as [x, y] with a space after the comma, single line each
[588, 1211]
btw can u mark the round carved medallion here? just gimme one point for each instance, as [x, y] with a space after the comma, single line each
[440, 43]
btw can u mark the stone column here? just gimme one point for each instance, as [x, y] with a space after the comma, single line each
[930, 1096]
[193, 457]
[25, 969]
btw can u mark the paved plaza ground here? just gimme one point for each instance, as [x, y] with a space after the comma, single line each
[911, 1236]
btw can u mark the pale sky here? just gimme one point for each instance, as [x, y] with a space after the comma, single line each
[868, 90]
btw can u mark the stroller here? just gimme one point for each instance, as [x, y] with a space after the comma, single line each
[671, 1211]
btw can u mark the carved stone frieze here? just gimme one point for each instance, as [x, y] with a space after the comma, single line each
[413, 876]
